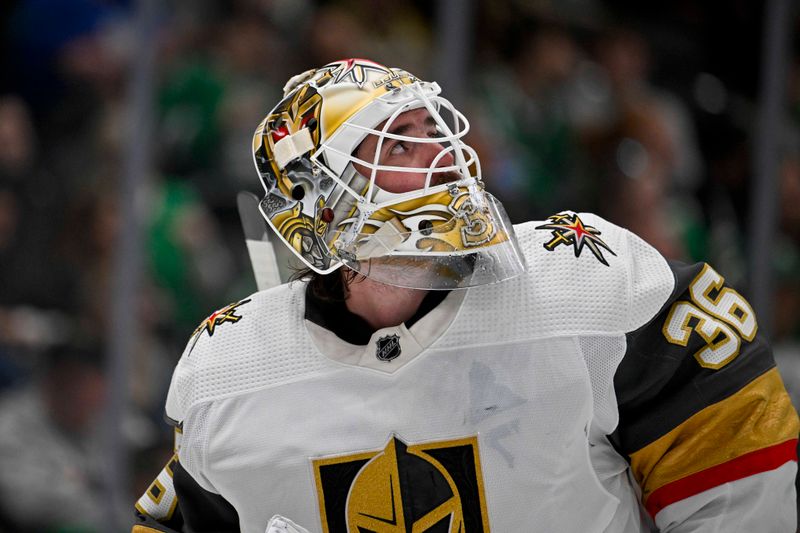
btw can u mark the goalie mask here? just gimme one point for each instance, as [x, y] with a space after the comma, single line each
[364, 166]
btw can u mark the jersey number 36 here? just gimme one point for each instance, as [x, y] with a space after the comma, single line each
[719, 314]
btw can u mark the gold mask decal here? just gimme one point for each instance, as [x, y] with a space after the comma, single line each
[435, 487]
[294, 113]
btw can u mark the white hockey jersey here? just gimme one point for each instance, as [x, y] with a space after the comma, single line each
[491, 412]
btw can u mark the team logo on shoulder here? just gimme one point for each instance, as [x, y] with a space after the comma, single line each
[388, 348]
[435, 487]
[219, 317]
[568, 229]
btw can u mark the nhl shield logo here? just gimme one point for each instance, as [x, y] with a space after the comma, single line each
[388, 348]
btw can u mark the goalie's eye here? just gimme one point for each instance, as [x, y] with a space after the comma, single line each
[398, 148]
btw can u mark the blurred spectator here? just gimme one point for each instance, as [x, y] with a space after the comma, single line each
[388, 32]
[188, 260]
[49, 450]
[632, 161]
[335, 33]
[31, 212]
[643, 147]
[35, 290]
[159, 325]
[41, 33]
[786, 260]
[89, 253]
[189, 126]
[251, 85]
[570, 111]
[529, 146]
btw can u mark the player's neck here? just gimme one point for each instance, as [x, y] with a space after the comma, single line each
[383, 305]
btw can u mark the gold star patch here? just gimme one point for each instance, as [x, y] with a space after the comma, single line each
[569, 229]
[217, 318]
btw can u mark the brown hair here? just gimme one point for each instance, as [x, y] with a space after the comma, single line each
[331, 287]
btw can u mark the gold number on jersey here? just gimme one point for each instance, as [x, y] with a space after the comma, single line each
[728, 305]
[720, 315]
[722, 342]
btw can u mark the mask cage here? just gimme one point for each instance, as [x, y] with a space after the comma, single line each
[338, 152]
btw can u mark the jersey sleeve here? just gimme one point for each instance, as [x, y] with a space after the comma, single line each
[704, 418]
[176, 502]
[159, 503]
[181, 498]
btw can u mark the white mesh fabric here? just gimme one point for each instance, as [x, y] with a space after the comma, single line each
[602, 356]
[235, 359]
[562, 295]
[194, 446]
[528, 404]
[651, 278]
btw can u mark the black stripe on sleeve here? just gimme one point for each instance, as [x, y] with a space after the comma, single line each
[660, 385]
[202, 511]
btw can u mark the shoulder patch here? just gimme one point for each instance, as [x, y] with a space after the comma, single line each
[221, 316]
[568, 229]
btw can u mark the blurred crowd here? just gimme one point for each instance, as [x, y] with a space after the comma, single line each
[643, 114]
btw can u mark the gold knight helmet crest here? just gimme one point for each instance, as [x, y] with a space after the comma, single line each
[435, 487]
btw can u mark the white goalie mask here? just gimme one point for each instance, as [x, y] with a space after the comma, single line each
[364, 166]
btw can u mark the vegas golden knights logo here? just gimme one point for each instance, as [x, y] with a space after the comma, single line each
[435, 487]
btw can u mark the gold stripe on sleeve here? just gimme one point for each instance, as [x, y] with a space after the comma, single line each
[757, 416]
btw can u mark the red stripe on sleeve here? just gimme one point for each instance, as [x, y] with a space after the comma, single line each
[748, 464]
